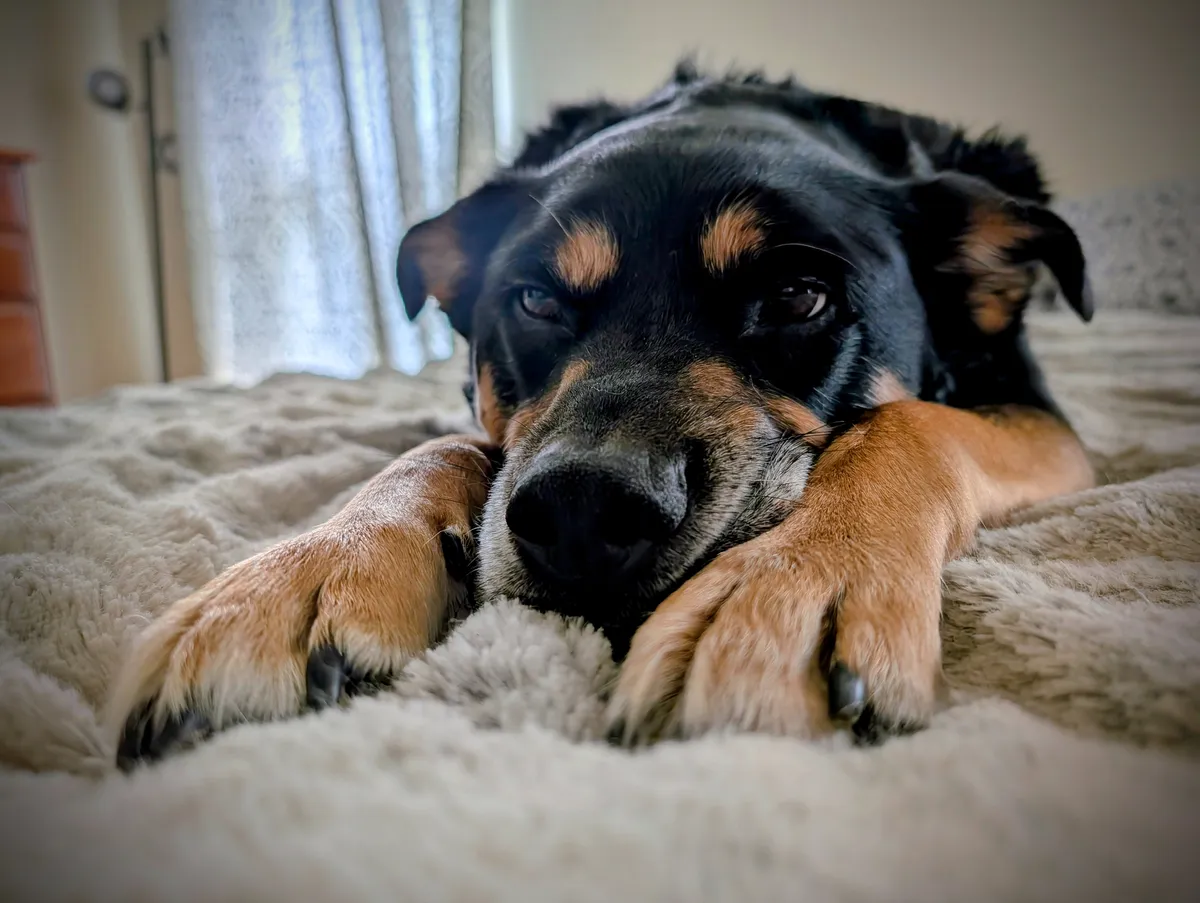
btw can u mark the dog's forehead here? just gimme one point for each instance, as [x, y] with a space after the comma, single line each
[680, 128]
[655, 182]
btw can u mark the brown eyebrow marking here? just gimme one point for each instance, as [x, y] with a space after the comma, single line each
[587, 256]
[733, 233]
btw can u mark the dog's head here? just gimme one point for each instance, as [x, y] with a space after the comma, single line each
[672, 307]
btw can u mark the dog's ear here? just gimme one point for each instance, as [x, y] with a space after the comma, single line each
[446, 257]
[975, 249]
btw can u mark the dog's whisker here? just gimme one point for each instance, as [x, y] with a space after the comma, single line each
[538, 201]
[803, 244]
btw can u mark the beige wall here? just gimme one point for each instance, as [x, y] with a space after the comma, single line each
[1108, 90]
[87, 191]
[140, 18]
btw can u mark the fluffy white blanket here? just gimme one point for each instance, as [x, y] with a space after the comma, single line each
[1065, 770]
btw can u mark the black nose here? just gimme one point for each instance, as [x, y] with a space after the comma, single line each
[596, 515]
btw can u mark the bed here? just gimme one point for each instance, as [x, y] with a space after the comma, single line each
[1064, 768]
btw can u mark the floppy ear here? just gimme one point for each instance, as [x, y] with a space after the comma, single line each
[975, 249]
[445, 257]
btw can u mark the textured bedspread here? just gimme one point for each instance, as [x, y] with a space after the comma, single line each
[1066, 768]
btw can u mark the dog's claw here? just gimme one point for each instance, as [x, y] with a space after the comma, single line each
[180, 732]
[847, 694]
[130, 746]
[330, 679]
[327, 677]
[871, 730]
[616, 733]
[144, 740]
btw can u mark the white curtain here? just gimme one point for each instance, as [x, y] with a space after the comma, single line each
[312, 134]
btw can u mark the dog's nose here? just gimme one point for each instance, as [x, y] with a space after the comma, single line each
[596, 515]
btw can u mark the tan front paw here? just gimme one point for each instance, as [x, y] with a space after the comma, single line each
[310, 621]
[786, 638]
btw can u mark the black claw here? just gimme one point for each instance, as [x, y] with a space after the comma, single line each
[144, 740]
[872, 728]
[330, 679]
[179, 732]
[327, 677]
[616, 733]
[869, 730]
[129, 750]
[847, 694]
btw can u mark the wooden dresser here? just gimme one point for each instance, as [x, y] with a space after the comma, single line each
[24, 367]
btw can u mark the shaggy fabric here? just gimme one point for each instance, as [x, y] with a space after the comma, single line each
[1065, 768]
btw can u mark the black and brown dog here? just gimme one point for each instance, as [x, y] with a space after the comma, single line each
[749, 349]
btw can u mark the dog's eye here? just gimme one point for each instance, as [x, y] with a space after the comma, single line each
[802, 300]
[538, 303]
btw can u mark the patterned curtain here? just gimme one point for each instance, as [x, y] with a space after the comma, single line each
[312, 134]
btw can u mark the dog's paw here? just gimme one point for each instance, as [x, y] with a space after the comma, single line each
[303, 625]
[313, 620]
[787, 637]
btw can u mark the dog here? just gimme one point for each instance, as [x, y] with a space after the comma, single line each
[749, 365]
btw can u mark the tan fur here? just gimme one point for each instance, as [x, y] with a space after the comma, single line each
[735, 232]
[488, 410]
[722, 407]
[800, 420]
[587, 257]
[371, 580]
[714, 380]
[887, 504]
[885, 388]
[998, 287]
[521, 421]
[1015, 457]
